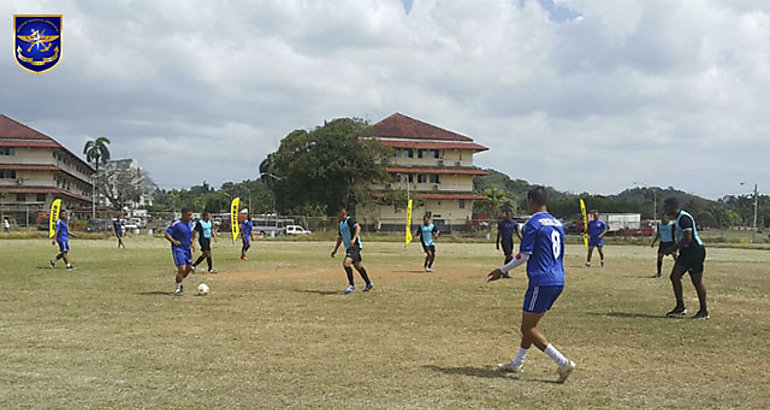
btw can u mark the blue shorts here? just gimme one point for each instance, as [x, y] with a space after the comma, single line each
[539, 299]
[181, 256]
[595, 243]
[64, 246]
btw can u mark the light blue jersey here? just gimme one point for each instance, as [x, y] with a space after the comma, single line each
[205, 228]
[543, 239]
[685, 222]
[346, 231]
[666, 231]
[426, 234]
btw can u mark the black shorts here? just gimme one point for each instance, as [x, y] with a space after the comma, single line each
[205, 243]
[431, 248]
[691, 258]
[353, 253]
[665, 246]
[507, 248]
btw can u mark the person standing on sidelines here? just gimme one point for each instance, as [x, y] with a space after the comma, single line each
[205, 232]
[246, 228]
[505, 231]
[349, 234]
[666, 236]
[117, 227]
[180, 236]
[596, 231]
[542, 249]
[692, 254]
[62, 238]
[427, 233]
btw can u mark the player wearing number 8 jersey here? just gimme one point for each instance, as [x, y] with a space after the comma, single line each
[542, 249]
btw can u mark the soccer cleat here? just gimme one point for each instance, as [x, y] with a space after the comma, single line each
[602, 264]
[244, 258]
[369, 286]
[428, 269]
[70, 267]
[52, 262]
[565, 370]
[677, 312]
[588, 264]
[192, 268]
[701, 315]
[179, 292]
[510, 367]
[212, 271]
[349, 289]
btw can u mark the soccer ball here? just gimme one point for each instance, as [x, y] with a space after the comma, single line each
[203, 289]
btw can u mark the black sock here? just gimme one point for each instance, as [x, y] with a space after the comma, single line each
[349, 271]
[363, 274]
[430, 264]
[660, 265]
[210, 263]
[198, 261]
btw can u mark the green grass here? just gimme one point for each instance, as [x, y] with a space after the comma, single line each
[277, 333]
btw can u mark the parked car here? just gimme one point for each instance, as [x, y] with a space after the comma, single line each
[99, 225]
[296, 230]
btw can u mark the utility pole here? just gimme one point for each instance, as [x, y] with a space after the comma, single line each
[756, 208]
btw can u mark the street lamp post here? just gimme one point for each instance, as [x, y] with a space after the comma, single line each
[756, 207]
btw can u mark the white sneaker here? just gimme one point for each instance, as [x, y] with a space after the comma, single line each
[52, 262]
[428, 269]
[349, 289]
[565, 370]
[588, 264]
[510, 367]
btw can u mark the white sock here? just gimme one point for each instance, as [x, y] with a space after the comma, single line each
[179, 285]
[519, 360]
[557, 357]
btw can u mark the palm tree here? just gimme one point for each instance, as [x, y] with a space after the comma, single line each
[96, 152]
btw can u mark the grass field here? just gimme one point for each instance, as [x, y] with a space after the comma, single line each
[277, 333]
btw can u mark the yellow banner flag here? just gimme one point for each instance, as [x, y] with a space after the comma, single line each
[53, 217]
[234, 226]
[585, 222]
[408, 223]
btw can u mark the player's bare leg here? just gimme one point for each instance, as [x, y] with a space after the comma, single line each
[531, 335]
[676, 283]
[181, 274]
[601, 254]
[362, 271]
[697, 281]
[588, 258]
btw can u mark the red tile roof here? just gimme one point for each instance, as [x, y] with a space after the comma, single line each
[42, 190]
[433, 145]
[400, 126]
[441, 170]
[16, 134]
[450, 196]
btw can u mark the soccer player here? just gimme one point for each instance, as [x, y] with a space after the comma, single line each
[349, 233]
[180, 236]
[542, 249]
[666, 236]
[204, 231]
[117, 226]
[62, 238]
[505, 230]
[596, 231]
[692, 254]
[246, 228]
[426, 232]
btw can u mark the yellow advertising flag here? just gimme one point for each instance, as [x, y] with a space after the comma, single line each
[53, 217]
[585, 222]
[234, 227]
[408, 223]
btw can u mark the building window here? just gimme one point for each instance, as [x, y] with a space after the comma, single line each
[420, 152]
[462, 204]
[40, 197]
[410, 178]
[421, 178]
[410, 153]
[435, 179]
[7, 151]
[8, 174]
[436, 154]
[21, 197]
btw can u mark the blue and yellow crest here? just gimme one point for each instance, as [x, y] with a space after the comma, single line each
[37, 45]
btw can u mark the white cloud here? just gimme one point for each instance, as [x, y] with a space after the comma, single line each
[670, 93]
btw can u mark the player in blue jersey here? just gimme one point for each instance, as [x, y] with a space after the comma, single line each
[180, 236]
[246, 232]
[349, 234]
[506, 228]
[542, 249]
[117, 227]
[204, 230]
[596, 231]
[427, 232]
[62, 238]
[666, 236]
[692, 254]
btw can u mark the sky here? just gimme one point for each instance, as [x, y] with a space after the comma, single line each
[583, 95]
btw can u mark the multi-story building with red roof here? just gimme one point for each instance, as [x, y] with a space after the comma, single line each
[435, 166]
[35, 169]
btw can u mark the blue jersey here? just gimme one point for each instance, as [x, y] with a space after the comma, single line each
[685, 222]
[543, 239]
[666, 231]
[346, 230]
[507, 229]
[204, 228]
[595, 228]
[246, 228]
[118, 228]
[182, 232]
[426, 234]
[62, 233]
